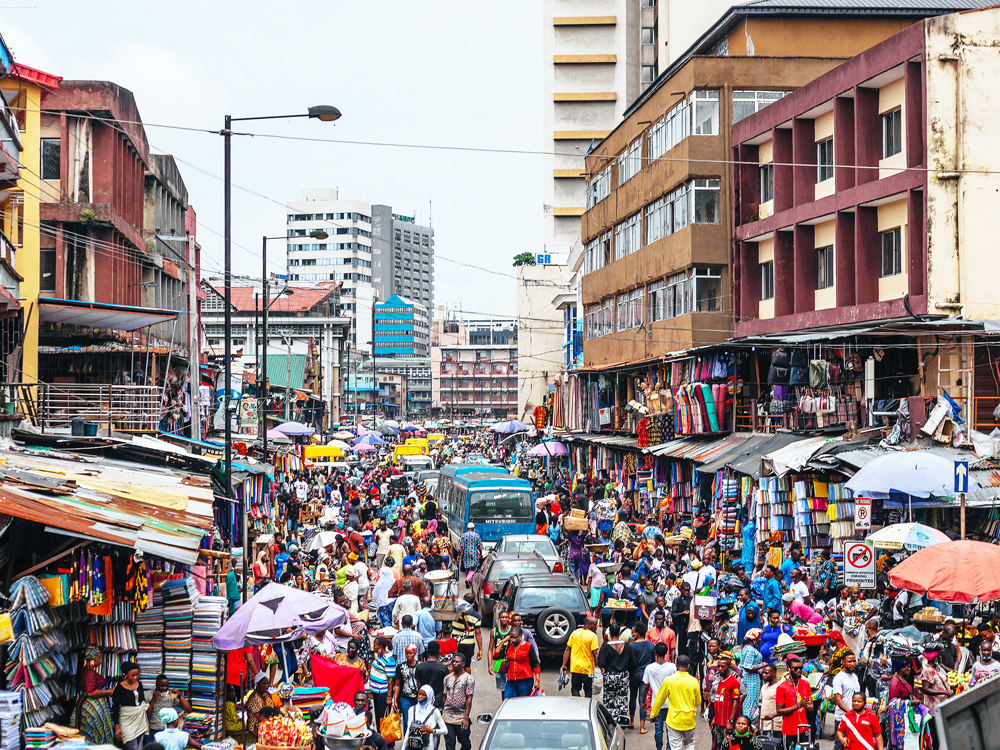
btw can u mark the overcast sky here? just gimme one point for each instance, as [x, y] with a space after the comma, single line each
[435, 72]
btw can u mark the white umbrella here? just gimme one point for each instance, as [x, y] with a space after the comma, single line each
[916, 473]
[322, 539]
[339, 444]
[907, 536]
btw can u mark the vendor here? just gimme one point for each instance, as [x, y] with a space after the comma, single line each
[256, 701]
[173, 737]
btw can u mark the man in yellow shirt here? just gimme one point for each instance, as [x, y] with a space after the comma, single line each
[683, 694]
[581, 656]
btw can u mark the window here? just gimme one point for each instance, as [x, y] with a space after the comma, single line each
[679, 207]
[599, 187]
[824, 160]
[706, 202]
[722, 48]
[766, 183]
[707, 289]
[656, 140]
[623, 312]
[50, 159]
[648, 73]
[657, 301]
[892, 133]
[678, 295]
[629, 161]
[746, 103]
[628, 237]
[47, 269]
[678, 123]
[824, 263]
[706, 112]
[597, 253]
[607, 316]
[767, 280]
[649, 35]
[658, 222]
[892, 253]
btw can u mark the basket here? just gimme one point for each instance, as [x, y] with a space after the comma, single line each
[598, 549]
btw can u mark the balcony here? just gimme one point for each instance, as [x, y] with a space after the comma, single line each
[119, 408]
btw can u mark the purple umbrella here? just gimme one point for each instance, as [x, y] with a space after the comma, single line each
[274, 609]
[364, 447]
[295, 428]
[275, 435]
[551, 448]
[369, 438]
[509, 427]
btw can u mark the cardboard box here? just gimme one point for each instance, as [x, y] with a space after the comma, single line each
[576, 524]
[577, 513]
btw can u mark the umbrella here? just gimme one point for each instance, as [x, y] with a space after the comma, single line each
[321, 540]
[385, 430]
[907, 536]
[956, 572]
[275, 435]
[916, 473]
[369, 439]
[388, 423]
[364, 447]
[294, 428]
[344, 435]
[411, 428]
[338, 444]
[550, 448]
[274, 609]
[510, 426]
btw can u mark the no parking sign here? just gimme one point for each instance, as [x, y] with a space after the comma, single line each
[859, 565]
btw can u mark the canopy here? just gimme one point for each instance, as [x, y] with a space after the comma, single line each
[275, 435]
[369, 438]
[509, 427]
[915, 473]
[274, 609]
[364, 447]
[338, 444]
[550, 448]
[957, 572]
[384, 429]
[295, 428]
[321, 540]
[343, 435]
[101, 315]
[907, 536]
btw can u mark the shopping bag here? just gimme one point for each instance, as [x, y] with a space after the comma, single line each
[6, 630]
[390, 728]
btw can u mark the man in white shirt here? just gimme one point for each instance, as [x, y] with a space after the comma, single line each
[384, 538]
[800, 590]
[845, 685]
[652, 677]
[407, 603]
[301, 490]
[697, 578]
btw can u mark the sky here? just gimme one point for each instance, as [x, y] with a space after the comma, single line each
[440, 73]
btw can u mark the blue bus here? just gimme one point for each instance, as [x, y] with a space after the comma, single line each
[494, 501]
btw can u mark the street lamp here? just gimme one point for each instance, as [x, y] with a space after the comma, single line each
[325, 113]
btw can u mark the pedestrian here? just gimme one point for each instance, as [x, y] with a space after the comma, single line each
[643, 655]
[407, 687]
[459, 687]
[471, 552]
[741, 738]
[382, 679]
[845, 685]
[680, 616]
[523, 668]
[681, 694]
[793, 701]
[432, 672]
[423, 722]
[751, 664]
[580, 656]
[766, 723]
[467, 629]
[652, 678]
[407, 636]
[859, 728]
[726, 703]
[616, 661]
[501, 628]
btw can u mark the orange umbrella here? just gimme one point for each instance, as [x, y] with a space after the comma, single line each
[957, 572]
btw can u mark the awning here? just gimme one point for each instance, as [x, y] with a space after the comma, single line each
[695, 449]
[277, 370]
[608, 441]
[745, 459]
[100, 315]
[792, 457]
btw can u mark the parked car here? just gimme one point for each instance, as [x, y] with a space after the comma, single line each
[496, 568]
[533, 543]
[426, 474]
[551, 723]
[551, 606]
[413, 465]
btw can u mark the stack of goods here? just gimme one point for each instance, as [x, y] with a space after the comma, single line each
[727, 496]
[840, 513]
[310, 700]
[10, 720]
[812, 524]
[774, 506]
[209, 614]
[786, 645]
[39, 739]
[258, 502]
[114, 634]
[179, 599]
[36, 658]
[285, 732]
[677, 478]
[200, 726]
[149, 630]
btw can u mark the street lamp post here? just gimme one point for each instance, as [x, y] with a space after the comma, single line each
[326, 114]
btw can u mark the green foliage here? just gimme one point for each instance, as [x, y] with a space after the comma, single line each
[524, 259]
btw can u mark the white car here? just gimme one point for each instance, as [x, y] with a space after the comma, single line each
[551, 723]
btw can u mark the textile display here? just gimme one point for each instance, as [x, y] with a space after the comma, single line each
[343, 682]
[209, 614]
[179, 599]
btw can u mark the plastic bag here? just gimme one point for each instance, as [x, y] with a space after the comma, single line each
[390, 728]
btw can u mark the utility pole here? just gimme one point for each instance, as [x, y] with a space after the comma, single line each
[288, 377]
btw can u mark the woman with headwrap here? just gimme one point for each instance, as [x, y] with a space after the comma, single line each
[424, 720]
[352, 658]
[94, 708]
[173, 737]
[283, 701]
[750, 619]
[380, 594]
[261, 571]
[769, 636]
[129, 708]
[751, 662]
[853, 612]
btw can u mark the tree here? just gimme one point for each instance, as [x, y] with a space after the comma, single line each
[524, 259]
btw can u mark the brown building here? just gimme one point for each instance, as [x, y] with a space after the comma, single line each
[657, 234]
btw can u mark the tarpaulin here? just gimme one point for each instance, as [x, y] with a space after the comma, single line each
[343, 682]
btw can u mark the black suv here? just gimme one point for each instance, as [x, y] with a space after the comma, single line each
[552, 606]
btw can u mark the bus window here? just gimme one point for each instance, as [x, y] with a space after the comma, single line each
[501, 506]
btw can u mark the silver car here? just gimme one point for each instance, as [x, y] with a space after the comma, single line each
[551, 723]
[533, 543]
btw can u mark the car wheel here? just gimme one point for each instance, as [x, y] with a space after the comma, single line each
[554, 626]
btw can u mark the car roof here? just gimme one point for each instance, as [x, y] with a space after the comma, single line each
[524, 538]
[515, 555]
[546, 579]
[545, 707]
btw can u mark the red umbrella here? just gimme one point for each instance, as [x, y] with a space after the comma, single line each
[956, 572]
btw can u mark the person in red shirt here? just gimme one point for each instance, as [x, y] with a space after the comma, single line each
[661, 633]
[793, 700]
[859, 729]
[725, 702]
[239, 663]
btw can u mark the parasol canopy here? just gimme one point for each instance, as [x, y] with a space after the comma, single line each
[509, 427]
[343, 435]
[364, 447]
[321, 540]
[550, 448]
[294, 428]
[914, 473]
[384, 429]
[956, 572]
[338, 444]
[907, 536]
[272, 611]
[275, 435]
[369, 438]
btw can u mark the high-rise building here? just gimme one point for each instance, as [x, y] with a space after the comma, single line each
[402, 329]
[598, 58]
[369, 248]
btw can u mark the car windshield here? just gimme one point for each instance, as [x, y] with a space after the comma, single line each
[569, 597]
[543, 547]
[541, 735]
[504, 569]
[500, 506]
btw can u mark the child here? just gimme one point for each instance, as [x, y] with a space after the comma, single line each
[173, 738]
[859, 729]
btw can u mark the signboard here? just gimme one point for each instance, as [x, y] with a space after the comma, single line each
[859, 565]
[862, 513]
[961, 477]
[248, 416]
[543, 259]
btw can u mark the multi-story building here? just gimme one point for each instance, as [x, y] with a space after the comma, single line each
[450, 328]
[597, 58]
[392, 400]
[657, 240]
[402, 329]
[418, 383]
[540, 335]
[867, 198]
[377, 253]
[474, 380]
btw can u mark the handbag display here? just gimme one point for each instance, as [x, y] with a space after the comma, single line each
[798, 376]
[780, 358]
[818, 373]
[799, 358]
[777, 374]
[807, 403]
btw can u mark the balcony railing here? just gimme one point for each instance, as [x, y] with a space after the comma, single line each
[121, 408]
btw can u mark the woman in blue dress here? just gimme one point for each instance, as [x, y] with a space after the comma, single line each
[774, 628]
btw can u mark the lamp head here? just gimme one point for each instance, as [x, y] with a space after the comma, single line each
[325, 113]
[319, 234]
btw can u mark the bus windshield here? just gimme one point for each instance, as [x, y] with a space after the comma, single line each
[500, 506]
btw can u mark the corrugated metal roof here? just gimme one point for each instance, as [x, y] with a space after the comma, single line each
[746, 459]
[610, 441]
[901, 6]
[792, 457]
[695, 449]
[277, 370]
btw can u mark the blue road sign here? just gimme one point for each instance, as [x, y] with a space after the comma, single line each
[961, 476]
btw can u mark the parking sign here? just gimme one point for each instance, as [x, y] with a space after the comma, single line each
[862, 513]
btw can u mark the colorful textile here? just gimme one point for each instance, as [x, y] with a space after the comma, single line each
[342, 682]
